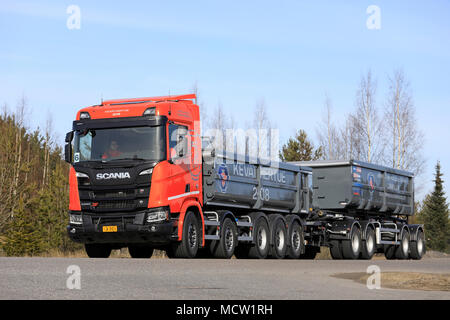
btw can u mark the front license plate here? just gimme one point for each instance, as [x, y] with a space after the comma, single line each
[109, 228]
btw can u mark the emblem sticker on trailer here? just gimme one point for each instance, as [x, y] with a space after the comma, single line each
[222, 172]
[371, 181]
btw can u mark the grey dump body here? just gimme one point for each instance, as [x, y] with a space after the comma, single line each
[360, 186]
[250, 184]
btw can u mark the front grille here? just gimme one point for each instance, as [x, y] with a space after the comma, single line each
[116, 204]
[114, 199]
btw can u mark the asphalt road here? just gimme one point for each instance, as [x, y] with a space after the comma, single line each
[46, 278]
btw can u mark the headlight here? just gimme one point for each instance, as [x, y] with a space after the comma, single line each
[83, 179]
[148, 171]
[75, 219]
[82, 175]
[160, 214]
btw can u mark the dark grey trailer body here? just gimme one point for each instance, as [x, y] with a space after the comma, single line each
[360, 186]
[245, 183]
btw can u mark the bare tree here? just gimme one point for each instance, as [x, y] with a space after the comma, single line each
[366, 124]
[262, 127]
[403, 135]
[329, 137]
[217, 125]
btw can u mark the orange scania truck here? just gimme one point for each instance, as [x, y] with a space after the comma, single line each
[142, 177]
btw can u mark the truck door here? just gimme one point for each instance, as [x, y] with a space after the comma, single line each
[180, 185]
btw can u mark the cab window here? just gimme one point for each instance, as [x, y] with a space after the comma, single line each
[178, 145]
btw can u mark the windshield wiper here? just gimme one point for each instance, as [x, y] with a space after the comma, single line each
[127, 159]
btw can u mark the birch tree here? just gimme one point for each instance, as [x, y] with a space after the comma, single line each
[366, 124]
[402, 135]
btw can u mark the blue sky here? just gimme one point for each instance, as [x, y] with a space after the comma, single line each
[288, 52]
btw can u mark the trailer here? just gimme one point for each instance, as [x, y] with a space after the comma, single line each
[140, 178]
[363, 207]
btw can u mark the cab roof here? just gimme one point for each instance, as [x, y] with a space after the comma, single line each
[131, 107]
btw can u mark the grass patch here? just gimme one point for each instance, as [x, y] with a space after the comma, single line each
[405, 280]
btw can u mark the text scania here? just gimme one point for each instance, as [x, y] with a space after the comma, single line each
[115, 175]
[260, 309]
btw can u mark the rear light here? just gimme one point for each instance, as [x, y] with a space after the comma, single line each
[85, 115]
[149, 111]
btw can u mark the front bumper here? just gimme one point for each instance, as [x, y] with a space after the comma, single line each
[130, 229]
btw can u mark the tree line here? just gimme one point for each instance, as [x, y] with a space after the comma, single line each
[34, 189]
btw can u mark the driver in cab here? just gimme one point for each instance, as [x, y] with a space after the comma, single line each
[113, 151]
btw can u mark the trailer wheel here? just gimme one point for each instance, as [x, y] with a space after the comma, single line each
[296, 239]
[369, 245]
[279, 238]
[260, 249]
[224, 248]
[402, 251]
[336, 249]
[97, 250]
[418, 246]
[188, 246]
[310, 253]
[140, 252]
[352, 248]
[389, 252]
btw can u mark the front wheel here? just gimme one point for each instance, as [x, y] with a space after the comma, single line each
[188, 246]
[140, 252]
[98, 250]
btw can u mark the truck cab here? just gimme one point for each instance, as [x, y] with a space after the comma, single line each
[135, 172]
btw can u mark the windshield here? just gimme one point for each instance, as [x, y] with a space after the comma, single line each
[146, 143]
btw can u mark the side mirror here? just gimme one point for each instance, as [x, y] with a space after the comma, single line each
[69, 136]
[68, 147]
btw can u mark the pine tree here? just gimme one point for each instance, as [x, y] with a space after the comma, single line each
[300, 148]
[435, 215]
[23, 236]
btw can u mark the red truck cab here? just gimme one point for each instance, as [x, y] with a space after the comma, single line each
[135, 176]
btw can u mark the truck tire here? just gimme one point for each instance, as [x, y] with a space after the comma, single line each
[369, 245]
[140, 251]
[336, 249]
[352, 248]
[97, 250]
[418, 247]
[279, 238]
[260, 249]
[224, 248]
[402, 251]
[310, 253]
[242, 251]
[296, 240]
[188, 246]
[389, 252]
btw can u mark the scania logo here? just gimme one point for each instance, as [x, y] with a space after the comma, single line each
[114, 175]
